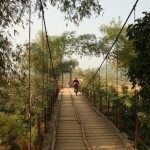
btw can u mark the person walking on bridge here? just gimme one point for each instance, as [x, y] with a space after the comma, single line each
[75, 85]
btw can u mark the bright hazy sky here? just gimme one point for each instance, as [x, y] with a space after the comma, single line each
[56, 25]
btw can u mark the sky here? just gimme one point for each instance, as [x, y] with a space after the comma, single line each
[56, 24]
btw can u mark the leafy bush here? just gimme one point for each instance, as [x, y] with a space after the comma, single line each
[12, 132]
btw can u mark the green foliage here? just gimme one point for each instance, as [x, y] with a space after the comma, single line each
[87, 45]
[87, 76]
[139, 71]
[75, 11]
[83, 45]
[12, 12]
[40, 55]
[5, 57]
[12, 131]
[127, 102]
[122, 51]
[14, 96]
[65, 66]
[144, 127]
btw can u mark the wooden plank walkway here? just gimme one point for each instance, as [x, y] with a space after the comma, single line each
[79, 127]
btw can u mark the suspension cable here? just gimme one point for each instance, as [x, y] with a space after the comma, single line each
[107, 100]
[29, 57]
[43, 76]
[114, 42]
[47, 39]
[134, 15]
[136, 132]
[117, 90]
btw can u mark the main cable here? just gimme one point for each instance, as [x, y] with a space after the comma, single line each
[47, 39]
[43, 75]
[29, 101]
[114, 42]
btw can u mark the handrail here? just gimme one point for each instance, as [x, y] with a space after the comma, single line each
[124, 117]
[48, 111]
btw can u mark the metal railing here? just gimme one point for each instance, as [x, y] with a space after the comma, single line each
[124, 118]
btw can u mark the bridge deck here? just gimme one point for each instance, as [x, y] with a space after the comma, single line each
[79, 127]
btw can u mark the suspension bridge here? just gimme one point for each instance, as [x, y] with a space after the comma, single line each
[79, 126]
[82, 122]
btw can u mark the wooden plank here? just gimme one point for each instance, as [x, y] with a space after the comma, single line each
[99, 133]
[72, 144]
[70, 148]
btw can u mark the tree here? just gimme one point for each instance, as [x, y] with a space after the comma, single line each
[59, 46]
[122, 50]
[12, 130]
[139, 70]
[16, 12]
[83, 45]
